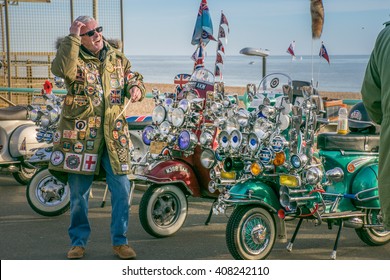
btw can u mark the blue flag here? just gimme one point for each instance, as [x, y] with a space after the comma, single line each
[203, 23]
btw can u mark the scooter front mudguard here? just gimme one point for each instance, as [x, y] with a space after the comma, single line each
[172, 171]
[254, 192]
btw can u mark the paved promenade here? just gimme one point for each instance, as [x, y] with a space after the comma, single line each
[25, 235]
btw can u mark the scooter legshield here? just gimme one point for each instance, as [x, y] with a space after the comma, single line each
[255, 192]
[171, 171]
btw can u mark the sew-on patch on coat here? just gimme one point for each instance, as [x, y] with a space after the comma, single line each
[72, 161]
[89, 163]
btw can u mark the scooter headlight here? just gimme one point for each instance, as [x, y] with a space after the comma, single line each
[159, 114]
[45, 121]
[168, 103]
[260, 128]
[235, 139]
[165, 128]
[33, 114]
[253, 142]
[177, 117]
[205, 138]
[187, 140]
[313, 175]
[184, 104]
[243, 117]
[147, 134]
[279, 159]
[54, 115]
[231, 124]
[207, 158]
[216, 107]
[223, 139]
[298, 161]
[268, 111]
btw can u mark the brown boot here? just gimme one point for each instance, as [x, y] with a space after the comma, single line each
[124, 252]
[76, 252]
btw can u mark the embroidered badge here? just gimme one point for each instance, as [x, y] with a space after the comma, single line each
[56, 158]
[66, 146]
[72, 161]
[80, 125]
[91, 78]
[98, 121]
[69, 99]
[92, 133]
[80, 100]
[114, 83]
[123, 140]
[56, 137]
[96, 101]
[122, 154]
[109, 67]
[119, 124]
[69, 134]
[90, 145]
[115, 97]
[78, 147]
[89, 163]
[79, 75]
[125, 167]
[81, 135]
[90, 90]
[91, 122]
[115, 134]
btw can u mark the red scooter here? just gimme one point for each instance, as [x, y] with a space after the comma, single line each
[173, 171]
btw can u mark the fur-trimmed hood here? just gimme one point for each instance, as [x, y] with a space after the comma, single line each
[115, 43]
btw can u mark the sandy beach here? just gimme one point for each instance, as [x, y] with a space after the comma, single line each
[147, 105]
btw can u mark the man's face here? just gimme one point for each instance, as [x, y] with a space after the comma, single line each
[94, 43]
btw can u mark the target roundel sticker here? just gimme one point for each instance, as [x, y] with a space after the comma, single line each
[274, 82]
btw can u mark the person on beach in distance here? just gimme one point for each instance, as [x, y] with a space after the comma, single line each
[92, 139]
[376, 98]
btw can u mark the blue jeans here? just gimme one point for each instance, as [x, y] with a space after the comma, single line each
[118, 185]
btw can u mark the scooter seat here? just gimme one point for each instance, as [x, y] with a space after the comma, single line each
[15, 113]
[138, 122]
[356, 142]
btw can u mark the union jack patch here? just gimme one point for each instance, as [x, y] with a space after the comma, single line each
[115, 97]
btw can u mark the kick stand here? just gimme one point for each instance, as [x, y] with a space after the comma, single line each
[104, 197]
[291, 243]
[210, 214]
[334, 253]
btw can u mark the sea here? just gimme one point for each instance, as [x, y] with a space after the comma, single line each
[344, 73]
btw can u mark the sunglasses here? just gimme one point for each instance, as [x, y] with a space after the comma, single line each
[90, 33]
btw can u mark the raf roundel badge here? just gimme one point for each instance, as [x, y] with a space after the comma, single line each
[123, 140]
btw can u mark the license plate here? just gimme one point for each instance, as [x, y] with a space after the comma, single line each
[156, 147]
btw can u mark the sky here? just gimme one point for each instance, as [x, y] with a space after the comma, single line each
[165, 27]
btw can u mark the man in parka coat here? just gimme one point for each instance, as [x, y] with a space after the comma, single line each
[92, 134]
[376, 99]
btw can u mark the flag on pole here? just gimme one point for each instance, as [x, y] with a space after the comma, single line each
[224, 21]
[220, 47]
[290, 49]
[199, 62]
[203, 23]
[323, 53]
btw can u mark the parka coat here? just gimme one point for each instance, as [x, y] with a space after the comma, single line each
[376, 98]
[92, 115]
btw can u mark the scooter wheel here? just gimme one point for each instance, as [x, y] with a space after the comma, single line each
[250, 233]
[46, 195]
[163, 210]
[373, 236]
